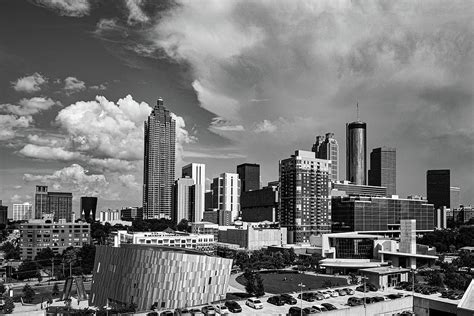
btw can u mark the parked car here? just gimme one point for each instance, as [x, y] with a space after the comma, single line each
[167, 313]
[456, 296]
[276, 300]
[361, 288]
[308, 297]
[326, 294]
[233, 306]
[378, 299]
[354, 301]
[341, 292]
[290, 300]
[329, 306]
[318, 296]
[196, 311]
[254, 303]
[320, 308]
[309, 311]
[333, 293]
[208, 310]
[182, 312]
[349, 291]
[406, 313]
[394, 296]
[294, 311]
[222, 309]
[402, 285]
[372, 287]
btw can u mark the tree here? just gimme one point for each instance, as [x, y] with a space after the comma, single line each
[292, 255]
[86, 256]
[55, 290]
[259, 287]
[353, 279]
[27, 270]
[39, 277]
[314, 261]
[2, 288]
[28, 293]
[9, 306]
[434, 278]
[456, 281]
[250, 284]
[183, 225]
[70, 257]
[44, 256]
[11, 251]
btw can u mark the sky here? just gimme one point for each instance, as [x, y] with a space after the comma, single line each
[247, 81]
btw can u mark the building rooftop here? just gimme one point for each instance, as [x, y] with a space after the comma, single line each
[354, 235]
[404, 254]
[165, 248]
[385, 270]
[351, 263]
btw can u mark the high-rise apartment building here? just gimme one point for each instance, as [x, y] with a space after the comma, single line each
[383, 169]
[41, 201]
[438, 188]
[159, 162]
[60, 205]
[22, 211]
[455, 197]
[183, 200]
[249, 175]
[197, 172]
[305, 202]
[226, 193]
[3, 214]
[88, 207]
[356, 152]
[326, 147]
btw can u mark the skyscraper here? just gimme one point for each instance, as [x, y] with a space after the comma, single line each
[197, 172]
[249, 175]
[438, 187]
[88, 207]
[383, 169]
[22, 212]
[305, 202]
[356, 152]
[60, 205]
[326, 147]
[226, 194]
[183, 206]
[3, 213]
[41, 201]
[455, 197]
[159, 162]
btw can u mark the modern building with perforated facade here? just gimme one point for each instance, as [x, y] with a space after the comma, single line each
[167, 277]
[159, 163]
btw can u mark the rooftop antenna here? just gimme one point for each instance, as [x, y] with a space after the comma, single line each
[357, 111]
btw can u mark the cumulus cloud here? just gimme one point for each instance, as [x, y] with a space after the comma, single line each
[220, 124]
[71, 8]
[30, 84]
[49, 153]
[12, 123]
[28, 107]
[98, 87]
[265, 126]
[73, 85]
[135, 12]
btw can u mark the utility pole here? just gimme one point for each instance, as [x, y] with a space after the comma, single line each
[301, 285]
[52, 269]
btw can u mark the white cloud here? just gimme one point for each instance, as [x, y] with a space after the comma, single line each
[28, 107]
[10, 124]
[72, 8]
[30, 83]
[49, 153]
[265, 127]
[98, 87]
[73, 85]
[220, 124]
[135, 12]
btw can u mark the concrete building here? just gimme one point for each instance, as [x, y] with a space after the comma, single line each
[204, 243]
[249, 175]
[226, 194]
[3, 214]
[383, 169]
[183, 200]
[253, 237]
[155, 275]
[197, 172]
[60, 206]
[385, 277]
[380, 215]
[159, 162]
[41, 201]
[131, 213]
[343, 188]
[205, 228]
[454, 197]
[438, 188]
[88, 208]
[260, 205]
[22, 211]
[37, 235]
[356, 152]
[463, 214]
[220, 217]
[108, 216]
[326, 147]
[305, 203]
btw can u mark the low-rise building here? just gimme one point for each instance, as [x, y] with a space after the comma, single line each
[205, 243]
[109, 216]
[22, 212]
[206, 228]
[253, 237]
[37, 235]
[131, 213]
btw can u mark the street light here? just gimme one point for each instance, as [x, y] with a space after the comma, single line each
[413, 281]
[301, 285]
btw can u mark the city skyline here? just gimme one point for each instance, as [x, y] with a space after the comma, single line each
[57, 133]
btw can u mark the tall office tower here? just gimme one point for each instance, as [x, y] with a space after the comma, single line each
[22, 212]
[159, 162]
[326, 147]
[88, 208]
[383, 169]
[226, 193]
[41, 201]
[454, 197]
[3, 213]
[356, 152]
[249, 175]
[60, 205]
[197, 172]
[208, 199]
[183, 200]
[305, 202]
[438, 185]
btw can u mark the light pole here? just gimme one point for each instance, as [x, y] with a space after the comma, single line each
[301, 285]
[413, 272]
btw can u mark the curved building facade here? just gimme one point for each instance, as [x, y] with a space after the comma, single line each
[356, 152]
[165, 276]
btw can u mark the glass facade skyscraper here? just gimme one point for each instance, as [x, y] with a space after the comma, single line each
[383, 169]
[249, 175]
[356, 152]
[326, 147]
[438, 188]
[159, 163]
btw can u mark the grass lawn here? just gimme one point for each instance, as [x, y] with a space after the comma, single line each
[274, 282]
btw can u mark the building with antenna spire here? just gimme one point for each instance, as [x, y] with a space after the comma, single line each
[356, 151]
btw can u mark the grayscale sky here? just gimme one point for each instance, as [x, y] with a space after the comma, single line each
[248, 81]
